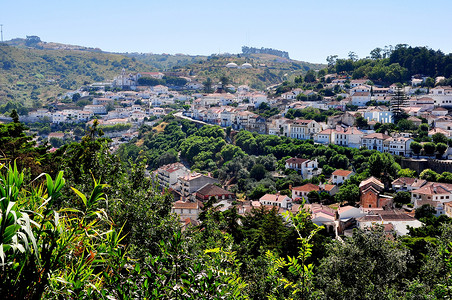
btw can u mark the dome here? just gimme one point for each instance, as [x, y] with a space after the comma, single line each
[247, 66]
[231, 65]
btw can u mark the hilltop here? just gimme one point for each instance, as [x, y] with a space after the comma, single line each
[266, 70]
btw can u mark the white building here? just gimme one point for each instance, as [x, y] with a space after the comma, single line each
[307, 168]
[277, 200]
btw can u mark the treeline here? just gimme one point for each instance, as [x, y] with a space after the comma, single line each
[396, 64]
[252, 50]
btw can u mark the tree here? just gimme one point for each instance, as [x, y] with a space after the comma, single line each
[361, 122]
[257, 172]
[429, 175]
[441, 149]
[383, 166]
[364, 266]
[208, 85]
[445, 177]
[402, 198]
[376, 53]
[430, 82]
[398, 103]
[313, 197]
[416, 148]
[405, 125]
[15, 116]
[348, 193]
[429, 148]
[310, 76]
[425, 211]
[76, 97]
[407, 173]
[352, 55]
[439, 138]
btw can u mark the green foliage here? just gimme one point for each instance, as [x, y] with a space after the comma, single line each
[383, 166]
[445, 177]
[429, 148]
[15, 145]
[365, 266]
[429, 175]
[425, 211]
[348, 193]
[401, 198]
[407, 173]
[416, 147]
[257, 172]
[311, 113]
[439, 138]
[48, 73]
[441, 149]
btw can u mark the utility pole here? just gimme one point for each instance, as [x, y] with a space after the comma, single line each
[1, 31]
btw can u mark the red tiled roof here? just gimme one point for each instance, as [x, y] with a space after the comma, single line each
[343, 173]
[213, 190]
[296, 160]
[307, 188]
[380, 136]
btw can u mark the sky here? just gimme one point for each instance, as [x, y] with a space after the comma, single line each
[308, 30]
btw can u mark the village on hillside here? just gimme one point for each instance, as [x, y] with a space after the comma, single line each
[359, 115]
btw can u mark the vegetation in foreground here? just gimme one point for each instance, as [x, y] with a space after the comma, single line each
[93, 228]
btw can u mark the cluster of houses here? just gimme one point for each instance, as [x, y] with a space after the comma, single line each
[192, 190]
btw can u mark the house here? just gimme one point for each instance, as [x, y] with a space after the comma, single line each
[96, 109]
[439, 111]
[187, 210]
[211, 190]
[358, 82]
[416, 121]
[307, 168]
[301, 129]
[360, 98]
[340, 176]
[374, 141]
[56, 135]
[433, 193]
[346, 118]
[156, 75]
[277, 200]
[399, 221]
[380, 114]
[348, 212]
[348, 137]
[398, 145]
[300, 192]
[324, 137]
[371, 196]
[168, 174]
[407, 184]
[323, 216]
[192, 182]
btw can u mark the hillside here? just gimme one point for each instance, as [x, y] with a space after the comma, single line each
[267, 69]
[165, 62]
[32, 76]
[33, 72]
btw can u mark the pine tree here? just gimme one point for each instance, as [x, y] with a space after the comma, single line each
[398, 102]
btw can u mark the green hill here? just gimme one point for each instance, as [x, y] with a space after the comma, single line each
[267, 69]
[32, 76]
[33, 72]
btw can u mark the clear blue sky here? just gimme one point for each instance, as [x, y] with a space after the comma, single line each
[308, 30]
